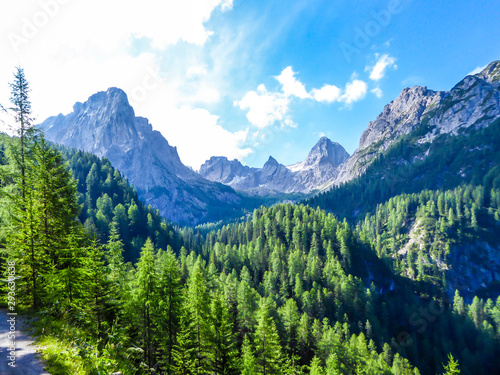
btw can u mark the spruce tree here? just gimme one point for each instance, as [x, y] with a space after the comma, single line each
[197, 303]
[100, 289]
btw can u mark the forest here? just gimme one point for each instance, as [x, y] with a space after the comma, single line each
[288, 289]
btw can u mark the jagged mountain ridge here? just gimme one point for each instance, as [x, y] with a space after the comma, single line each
[473, 102]
[320, 166]
[106, 126]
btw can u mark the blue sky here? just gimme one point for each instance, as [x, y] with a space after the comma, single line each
[245, 79]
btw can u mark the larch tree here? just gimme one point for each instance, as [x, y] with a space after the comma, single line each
[267, 343]
[170, 303]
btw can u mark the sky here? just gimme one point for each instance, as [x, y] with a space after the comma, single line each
[245, 79]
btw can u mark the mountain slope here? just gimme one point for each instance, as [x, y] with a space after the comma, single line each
[423, 140]
[472, 104]
[106, 126]
[320, 166]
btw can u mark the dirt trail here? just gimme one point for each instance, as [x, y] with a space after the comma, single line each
[27, 361]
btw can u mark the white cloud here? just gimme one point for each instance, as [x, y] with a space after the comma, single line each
[327, 94]
[354, 91]
[71, 49]
[383, 63]
[268, 108]
[264, 108]
[226, 5]
[377, 92]
[478, 69]
[196, 71]
[290, 85]
[198, 135]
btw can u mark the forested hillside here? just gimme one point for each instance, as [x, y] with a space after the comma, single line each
[109, 200]
[408, 166]
[447, 238]
[291, 289]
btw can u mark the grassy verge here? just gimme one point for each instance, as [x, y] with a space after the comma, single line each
[66, 349]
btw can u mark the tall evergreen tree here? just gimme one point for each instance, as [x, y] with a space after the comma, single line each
[169, 306]
[223, 351]
[248, 361]
[267, 343]
[146, 298]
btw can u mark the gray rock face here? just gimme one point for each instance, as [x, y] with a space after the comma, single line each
[320, 166]
[473, 102]
[222, 170]
[106, 126]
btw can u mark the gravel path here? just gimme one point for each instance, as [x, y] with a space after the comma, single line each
[27, 361]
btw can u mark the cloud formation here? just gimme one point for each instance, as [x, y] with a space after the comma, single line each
[290, 85]
[76, 48]
[384, 62]
[354, 91]
[377, 92]
[327, 94]
[193, 150]
[266, 108]
[478, 69]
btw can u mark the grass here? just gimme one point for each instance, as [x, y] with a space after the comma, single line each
[66, 349]
[60, 357]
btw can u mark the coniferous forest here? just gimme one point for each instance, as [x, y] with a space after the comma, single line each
[288, 289]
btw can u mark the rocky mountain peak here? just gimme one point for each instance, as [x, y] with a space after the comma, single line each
[491, 73]
[400, 115]
[106, 126]
[271, 162]
[473, 103]
[221, 169]
[326, 151]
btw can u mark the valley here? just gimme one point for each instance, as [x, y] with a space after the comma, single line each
[380, 262]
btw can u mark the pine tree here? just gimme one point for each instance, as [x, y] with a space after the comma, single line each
[66, 281]
[267, 342]
[196, 304]
[185, 350]
[24, 227]
[223, 353]
[458, 304]
[146, 298]
[114, 259]
[26, 133]
[452, 367]
[290, 318]
[169, 306]
[316, 368]
[248, 361]
[100, 288]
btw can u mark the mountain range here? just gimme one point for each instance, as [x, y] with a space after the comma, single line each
[392, 251]
[320, 167]
[106, 126]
